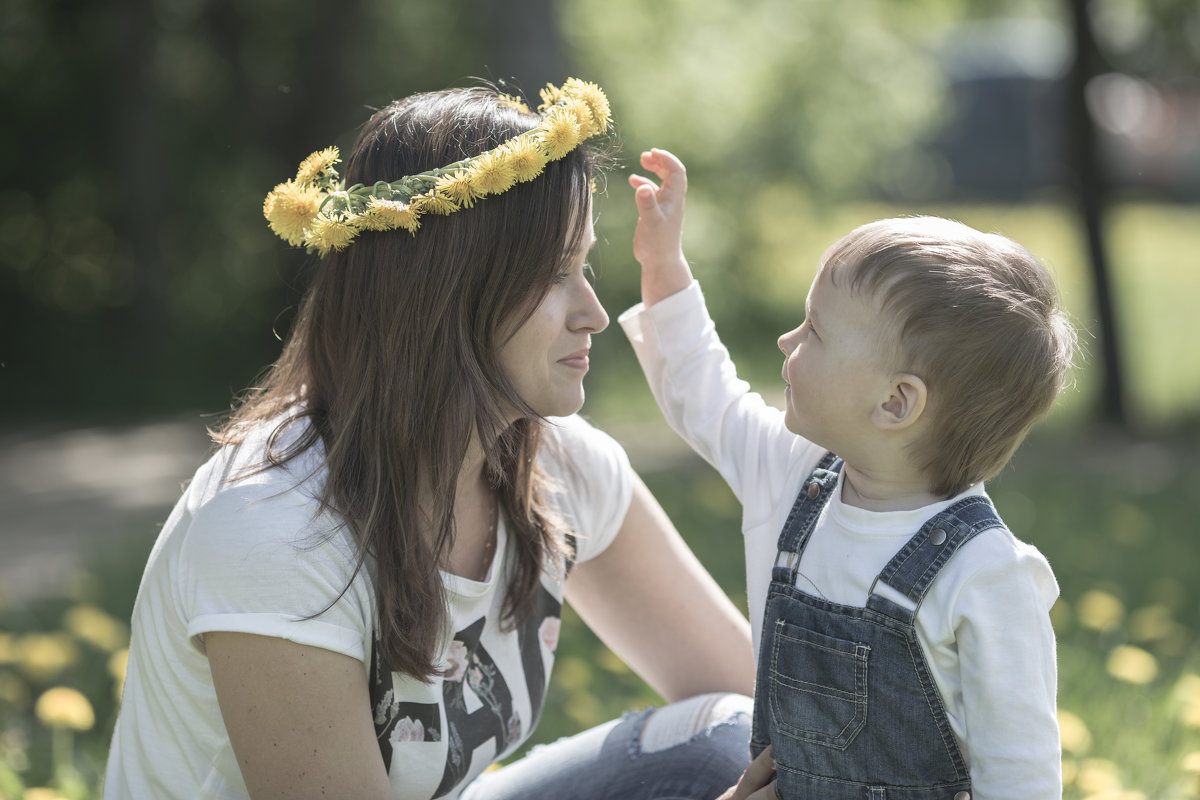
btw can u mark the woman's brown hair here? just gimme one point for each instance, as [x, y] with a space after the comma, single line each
[393, 359]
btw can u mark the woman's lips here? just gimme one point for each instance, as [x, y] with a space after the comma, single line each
[577, 360]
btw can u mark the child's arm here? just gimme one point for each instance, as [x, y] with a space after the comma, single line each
[657, 242]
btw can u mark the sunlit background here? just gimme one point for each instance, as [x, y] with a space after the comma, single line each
[140, 288]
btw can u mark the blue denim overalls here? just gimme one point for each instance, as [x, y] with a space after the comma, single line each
[844, 693]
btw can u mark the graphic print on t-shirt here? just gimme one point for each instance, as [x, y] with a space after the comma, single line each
[472, 679]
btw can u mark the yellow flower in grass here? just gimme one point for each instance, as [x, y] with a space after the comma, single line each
[559, 133]
[41, 793]
[525, 158]
[1187, 695]
[329, 234]
[457, 188]
[319, 162]
[490, 173]
[95, 627]
[1100, 610]
[64, 707]
[1098, 776]
[290, 209]
[1076, 738]
[1132, 665]
[597, 103]
[118, 665]
[389, 215]
[43, 655]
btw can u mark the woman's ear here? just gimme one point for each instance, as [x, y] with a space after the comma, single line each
[904, 404]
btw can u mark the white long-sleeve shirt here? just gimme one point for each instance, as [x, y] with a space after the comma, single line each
[984, 626]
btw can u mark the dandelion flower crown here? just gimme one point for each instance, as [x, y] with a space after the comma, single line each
[316, 210]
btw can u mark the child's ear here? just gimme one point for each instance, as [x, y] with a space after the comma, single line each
[904, 404]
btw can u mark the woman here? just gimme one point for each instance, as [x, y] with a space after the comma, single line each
[359, 594]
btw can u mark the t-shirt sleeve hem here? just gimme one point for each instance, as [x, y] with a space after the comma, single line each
[310, 632]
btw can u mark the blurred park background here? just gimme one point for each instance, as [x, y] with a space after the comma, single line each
[140, 288]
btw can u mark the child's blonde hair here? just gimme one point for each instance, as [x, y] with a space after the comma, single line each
[978, 318]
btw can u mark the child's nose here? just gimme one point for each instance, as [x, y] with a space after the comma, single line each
[787, 342]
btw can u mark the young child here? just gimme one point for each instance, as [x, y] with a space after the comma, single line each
[905, 647]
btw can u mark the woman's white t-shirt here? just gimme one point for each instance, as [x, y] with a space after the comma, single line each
[257, 555]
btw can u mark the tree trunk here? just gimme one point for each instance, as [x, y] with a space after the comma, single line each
[1092, 193]
[524, 43]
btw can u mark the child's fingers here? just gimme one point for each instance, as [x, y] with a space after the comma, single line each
[667, 167]
[637, 181]
[646, 197]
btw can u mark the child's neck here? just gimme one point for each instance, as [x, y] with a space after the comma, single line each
[883, 491]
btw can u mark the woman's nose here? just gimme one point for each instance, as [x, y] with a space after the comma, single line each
[592, 315]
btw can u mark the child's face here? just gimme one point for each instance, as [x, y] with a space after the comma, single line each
[834, 366]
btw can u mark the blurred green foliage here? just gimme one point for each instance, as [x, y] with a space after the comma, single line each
[136, 272]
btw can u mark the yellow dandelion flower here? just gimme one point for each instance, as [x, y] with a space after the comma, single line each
[290, 209]
[1076, 738]
[1187, 695]
[41, 793]
[596, 100]
[583, 116]
[96, 627]
[44, 655]
[509, 101]
[1098, 776]
[388, 215]
[312, 167]
[559, 133]
[457, 188]
[433, 204]
[327, 234]
[526, 158]
[64, 707]
[1099, 610]
[550, 95]
[1132, 665]
[118, 665]
[490, 173]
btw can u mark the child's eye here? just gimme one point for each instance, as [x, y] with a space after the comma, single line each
[561, 277]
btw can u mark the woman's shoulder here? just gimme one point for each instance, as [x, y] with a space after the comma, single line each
[240, 485]
[574, 445]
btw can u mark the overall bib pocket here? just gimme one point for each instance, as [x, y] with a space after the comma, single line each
[818, 686]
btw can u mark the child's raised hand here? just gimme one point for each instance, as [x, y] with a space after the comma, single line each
[657, 241]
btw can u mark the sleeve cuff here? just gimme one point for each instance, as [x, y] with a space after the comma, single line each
[679, 308]
[310, 632]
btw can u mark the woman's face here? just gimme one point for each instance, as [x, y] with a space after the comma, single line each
[547, 357]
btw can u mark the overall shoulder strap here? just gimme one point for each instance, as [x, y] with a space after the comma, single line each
[912, 570]
[814, 494]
